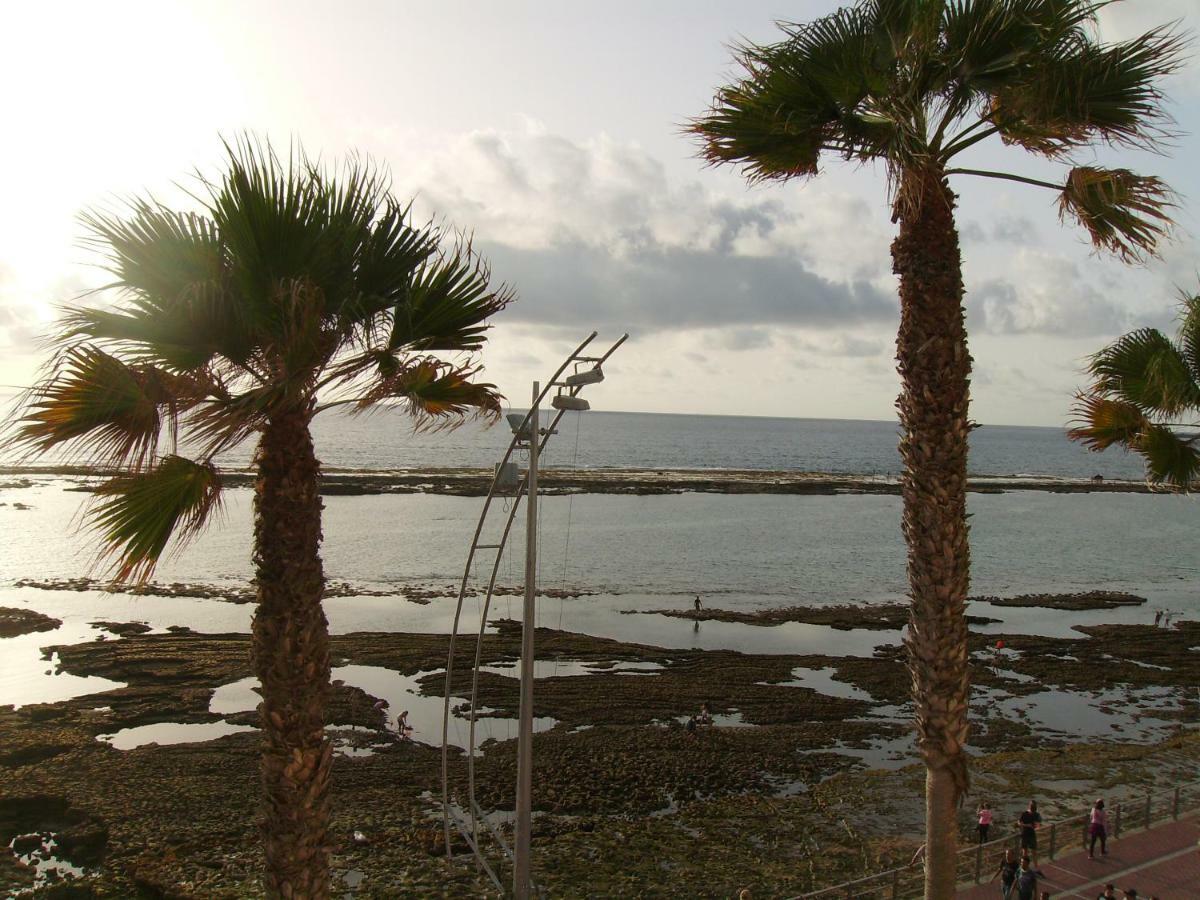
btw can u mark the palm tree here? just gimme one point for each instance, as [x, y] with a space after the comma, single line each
[1138, 379]
[916, 84]
[292, 290]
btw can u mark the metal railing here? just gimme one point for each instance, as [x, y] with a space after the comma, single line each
[977, 862]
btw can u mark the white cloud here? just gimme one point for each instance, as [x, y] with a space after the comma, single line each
[1043, 293]
[596, 231]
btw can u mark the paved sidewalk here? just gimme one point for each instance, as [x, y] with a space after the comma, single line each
[1163, 862]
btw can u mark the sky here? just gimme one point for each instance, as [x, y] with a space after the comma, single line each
[551, 132]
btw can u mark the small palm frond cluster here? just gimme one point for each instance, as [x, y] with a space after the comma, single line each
[914, 84]
[1145, 396]
[292, 290]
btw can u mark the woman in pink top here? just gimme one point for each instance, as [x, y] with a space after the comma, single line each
[1098, 829]
[985, 821]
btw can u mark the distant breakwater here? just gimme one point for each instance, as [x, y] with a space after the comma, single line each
[474, 482]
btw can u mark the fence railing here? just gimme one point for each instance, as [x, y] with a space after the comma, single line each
[978, 862]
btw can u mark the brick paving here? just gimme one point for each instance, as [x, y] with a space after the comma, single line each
[1162, 862]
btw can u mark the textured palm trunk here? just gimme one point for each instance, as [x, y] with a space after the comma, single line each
[934, 368]
[291, 659]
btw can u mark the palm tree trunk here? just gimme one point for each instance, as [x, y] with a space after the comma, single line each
[934, 367]
[291, 659]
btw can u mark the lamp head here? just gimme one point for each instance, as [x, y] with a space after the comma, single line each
[593, 375]
[567, 402]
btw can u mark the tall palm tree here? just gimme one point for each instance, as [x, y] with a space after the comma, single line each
[291, 290]
[916, 85]
[1143, 385]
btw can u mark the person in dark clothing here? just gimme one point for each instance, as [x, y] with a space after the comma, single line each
[1029, 822]
[1027, 880]
[699, 605]
[1007, 873]
[1098, 830]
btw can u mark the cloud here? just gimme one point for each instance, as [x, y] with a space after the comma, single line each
[1014, 230]
[744, 339]
[595, 234]
[658, 287]
[18, 317]
[1051, 297]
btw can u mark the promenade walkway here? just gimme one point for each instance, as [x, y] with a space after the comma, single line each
[1163, 862]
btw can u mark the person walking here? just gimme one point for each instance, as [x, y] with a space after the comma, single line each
[699, 606]
[1098, 828]
[985, 821]
[1027, 880]
[1029, 822]
[1007, 873]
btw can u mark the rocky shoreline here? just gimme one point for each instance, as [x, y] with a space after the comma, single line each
[627, 802]
[469, 482]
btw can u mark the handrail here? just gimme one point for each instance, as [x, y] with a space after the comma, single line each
[1139, 812]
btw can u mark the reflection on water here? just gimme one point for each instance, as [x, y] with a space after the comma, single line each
[823, 682]
[403, 694]
[25, 677]
[170, 733]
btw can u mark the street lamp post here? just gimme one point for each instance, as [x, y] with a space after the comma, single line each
[524, 822]
[529, 436]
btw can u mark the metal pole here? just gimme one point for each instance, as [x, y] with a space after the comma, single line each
[1175, 805]
[1148, 799]
[1053, 836]
[521, 879]
[1117, 825]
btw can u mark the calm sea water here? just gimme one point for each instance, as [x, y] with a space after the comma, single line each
[637, 553]
[598, 439]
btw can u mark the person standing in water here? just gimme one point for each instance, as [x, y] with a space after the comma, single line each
[699, 605]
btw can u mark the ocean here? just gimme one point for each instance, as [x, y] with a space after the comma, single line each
[596, 439]
[759, 550]
[628, 553]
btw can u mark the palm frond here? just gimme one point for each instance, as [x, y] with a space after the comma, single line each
[1144, 368]
[1103, 423]
[389, 252]
[815, 91]
[178, 306]
[116, 410]
[1125, 214]
[281, 221]
[436, 394]
[138, 514]
[1189, 332]
[986, 42]
[222, 423]
[1063, 101]
[446, 304]
[1171, 458]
